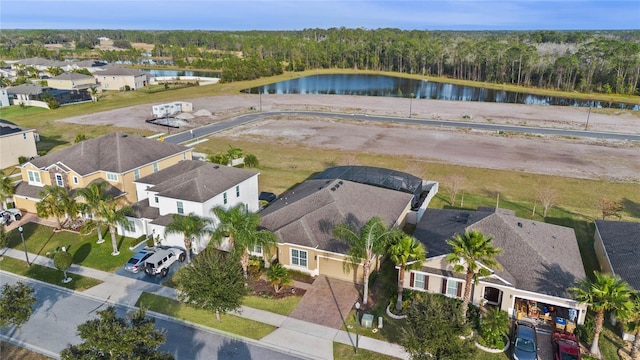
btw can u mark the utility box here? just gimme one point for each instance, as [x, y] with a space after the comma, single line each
[379, 322]
[367, 321]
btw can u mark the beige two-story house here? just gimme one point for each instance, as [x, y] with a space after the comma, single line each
[119, 78]
[16, 142]
[117, 158]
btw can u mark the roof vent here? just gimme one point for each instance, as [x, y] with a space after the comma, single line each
[216, 166]
[519, 224]
[333, 189]
[340, 182]
[124, 135]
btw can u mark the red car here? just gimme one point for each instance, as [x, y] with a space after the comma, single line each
[565, 346]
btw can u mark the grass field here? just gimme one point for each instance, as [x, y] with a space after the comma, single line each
[46, 274]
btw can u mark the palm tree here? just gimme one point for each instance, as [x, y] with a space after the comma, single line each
[364, 246]
[54, 202]
[112, 215]
[6, 190]
[408, 254]
[604, 293]
[94, 196]
[241, 228]
[278, 277]
[191, 226]
[631, 317]
[470, 251]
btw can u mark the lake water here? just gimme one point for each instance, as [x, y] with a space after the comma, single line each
[381, 85]
[163, 72]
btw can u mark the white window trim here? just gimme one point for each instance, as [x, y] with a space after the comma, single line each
[416, 282]
[35, 175]
[450, 282]
[306, 259]
[136, 174]
[111, 175]
[180, 206]
[76, 180]
[59, 180]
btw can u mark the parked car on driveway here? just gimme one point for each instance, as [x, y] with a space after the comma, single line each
[161, 261]
[10, 215]
[524, 341]
[565, 346]
[136, 263]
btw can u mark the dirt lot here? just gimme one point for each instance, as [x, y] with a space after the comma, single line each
[598, 159]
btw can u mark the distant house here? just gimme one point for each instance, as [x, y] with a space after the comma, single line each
[4, 98]
[171, 108]
[539, 262]
[38, 95]
[189, 187]
[117, 158]
[304, 217]
[16, 142]
[119, 78]
[617, 245]
[72, 81]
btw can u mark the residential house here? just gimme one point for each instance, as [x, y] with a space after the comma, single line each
[304, 217]
[617, 245]
[72, 81]
[119, 78]
[38, 95]
[117, 158]
[16, 142]
[189, 187]
[540, 262]
[4, 98]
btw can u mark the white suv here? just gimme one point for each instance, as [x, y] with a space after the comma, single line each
[161, 260]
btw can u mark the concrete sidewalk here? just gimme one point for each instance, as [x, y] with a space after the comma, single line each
[301, 337]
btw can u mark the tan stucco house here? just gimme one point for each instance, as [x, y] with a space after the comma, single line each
[540, 262]
[117, 158]
[72, 81]
[16, 142]
[303, 218]
[119, 78]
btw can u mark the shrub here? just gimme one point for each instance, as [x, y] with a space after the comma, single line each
[493, 327]
[585, 332]
[22, 159]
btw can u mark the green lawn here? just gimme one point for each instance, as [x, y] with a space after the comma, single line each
[228, 323]
[279, 306]
[42, 240]
[46, 274]
[344, 352]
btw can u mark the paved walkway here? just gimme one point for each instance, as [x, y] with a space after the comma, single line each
[327, 302]
[298, 336]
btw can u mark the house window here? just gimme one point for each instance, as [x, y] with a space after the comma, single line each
[224, 198]
[34, 176]
[24, 136]
[180, 207]
[75, 180]
[298, 257]
[112, 176]
[237, 190]
[59, 180]
[419, 281]
[155, 198]
[155, 167]
[257, 249]
[136, 174]
[184, 156]
[451, 288]
[130, 226]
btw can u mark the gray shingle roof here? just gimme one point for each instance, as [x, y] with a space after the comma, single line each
[72, 76]
[536, 256]
[197, 181]
[27, 89]
[307, 214]
[142, 210]
[114, 152]
[7, 128]
[24, 189]
[622, 243]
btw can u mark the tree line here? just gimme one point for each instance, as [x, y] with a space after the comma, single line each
[585, 61]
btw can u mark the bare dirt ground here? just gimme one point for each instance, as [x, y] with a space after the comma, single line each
[582, 158]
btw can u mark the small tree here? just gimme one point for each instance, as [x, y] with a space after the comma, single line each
[190, 226]
[547, 197]
[214, 282]
[6, 190]
[610, 208]
[278, 277]
[114, 215]
[251, 161]
[16, 304]
[408, 254]
[112, 337]
[494, 326]
[455, 184]
[62, 260]
[435, 330]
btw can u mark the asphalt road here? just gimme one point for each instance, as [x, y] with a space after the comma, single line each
[187, 136]
[58, 312]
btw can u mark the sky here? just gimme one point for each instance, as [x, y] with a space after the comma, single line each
[305, 14]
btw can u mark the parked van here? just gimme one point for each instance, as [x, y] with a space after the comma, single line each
[160, 262]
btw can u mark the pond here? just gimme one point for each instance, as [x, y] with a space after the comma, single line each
[382, 85]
